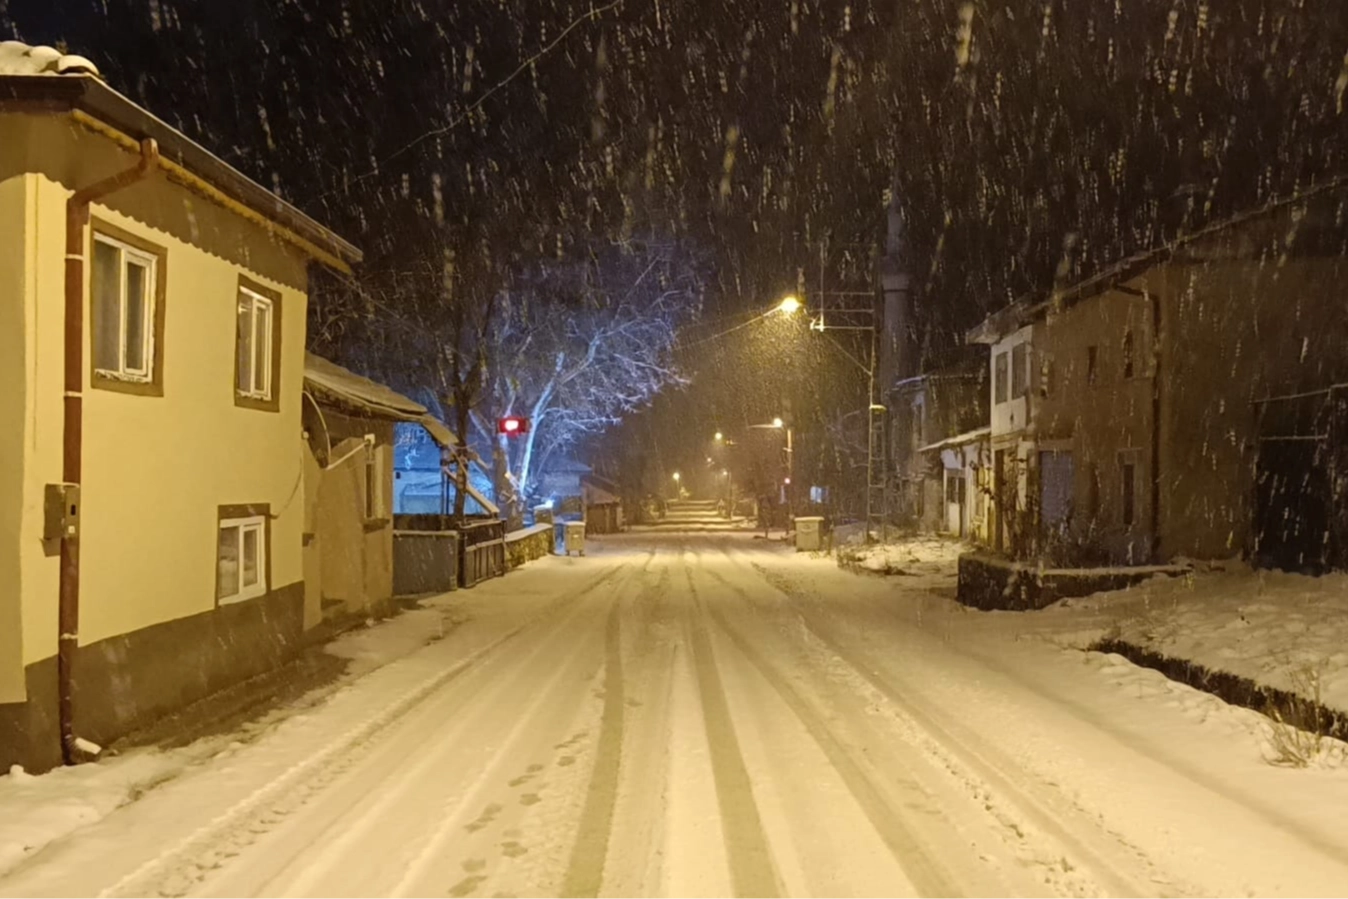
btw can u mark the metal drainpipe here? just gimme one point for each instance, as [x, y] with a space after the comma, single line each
[77, 221]
[1156, 388]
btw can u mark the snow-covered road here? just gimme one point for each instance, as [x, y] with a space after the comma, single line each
[706, 715]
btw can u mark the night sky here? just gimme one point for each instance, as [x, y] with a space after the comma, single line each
[755, 129]
[1088, 116]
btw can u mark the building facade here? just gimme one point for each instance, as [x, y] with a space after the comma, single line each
[1185, 402]
[152, 311]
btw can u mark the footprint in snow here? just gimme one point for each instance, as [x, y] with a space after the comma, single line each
[467, 885]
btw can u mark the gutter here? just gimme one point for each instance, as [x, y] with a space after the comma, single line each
[181, 175]
[72, 439]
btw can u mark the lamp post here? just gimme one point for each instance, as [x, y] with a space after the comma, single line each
[877, 500]
[778, 424]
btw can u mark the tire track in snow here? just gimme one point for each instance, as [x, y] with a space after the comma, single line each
[410, 778]
[635, 861]
[752, 869]
[585, 873]
[929, 878]
[980, 778]
[459, 807]
[178, 867]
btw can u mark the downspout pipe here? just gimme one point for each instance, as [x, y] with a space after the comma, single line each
[72, 442]
[1157, 385]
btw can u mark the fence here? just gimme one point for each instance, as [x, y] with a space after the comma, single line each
[425, 562]
[482, 555]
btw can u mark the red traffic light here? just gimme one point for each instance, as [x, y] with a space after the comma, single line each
[512, 426]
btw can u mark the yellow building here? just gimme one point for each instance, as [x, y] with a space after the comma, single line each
[152, 331]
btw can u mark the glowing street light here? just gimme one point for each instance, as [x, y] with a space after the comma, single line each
[789, 305]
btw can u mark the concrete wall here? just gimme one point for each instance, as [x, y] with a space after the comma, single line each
[352, 554]
[156, 468]
[1104, 421]
[1237, 330]
[16, 243]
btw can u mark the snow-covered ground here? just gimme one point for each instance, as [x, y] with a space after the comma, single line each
[1283, 630]
[39, 810]
[707, 714]
[918, 557]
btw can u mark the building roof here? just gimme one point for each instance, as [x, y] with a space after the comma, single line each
[1031, 308]
[958, 440]
[332, 385]
[953, 366]
[47, 79]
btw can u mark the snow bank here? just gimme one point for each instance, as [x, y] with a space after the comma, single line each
[1274, 628]
[921, 557]
[39, 810]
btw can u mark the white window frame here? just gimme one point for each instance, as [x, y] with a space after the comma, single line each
[255, 301]
[257, 523]
[126, 253]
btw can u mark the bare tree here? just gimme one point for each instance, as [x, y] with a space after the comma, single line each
[581, 343]
[424, 330]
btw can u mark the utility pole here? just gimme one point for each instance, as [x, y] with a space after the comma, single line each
[846, 318]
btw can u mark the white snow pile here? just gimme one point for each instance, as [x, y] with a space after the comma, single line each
[914, 557]
[18, 58]
[1281, 630]
[39, 810]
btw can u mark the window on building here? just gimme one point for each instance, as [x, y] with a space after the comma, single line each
[253, 367]
[1020, 370]
[1092, 364]
[123, 288]
[1128, 354]
[999, 378]
[1129, 470]
[241, 558]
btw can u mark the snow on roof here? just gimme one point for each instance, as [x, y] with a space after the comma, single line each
[331, 383]
[958, 440]
[18, 58]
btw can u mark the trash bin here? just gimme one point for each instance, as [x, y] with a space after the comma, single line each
[574, 536]
[809, 530]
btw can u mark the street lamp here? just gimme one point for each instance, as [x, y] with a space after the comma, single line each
[789, 305]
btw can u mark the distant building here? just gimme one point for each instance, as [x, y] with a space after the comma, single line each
[926, 411]
[1191, 401]
[152, 353]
